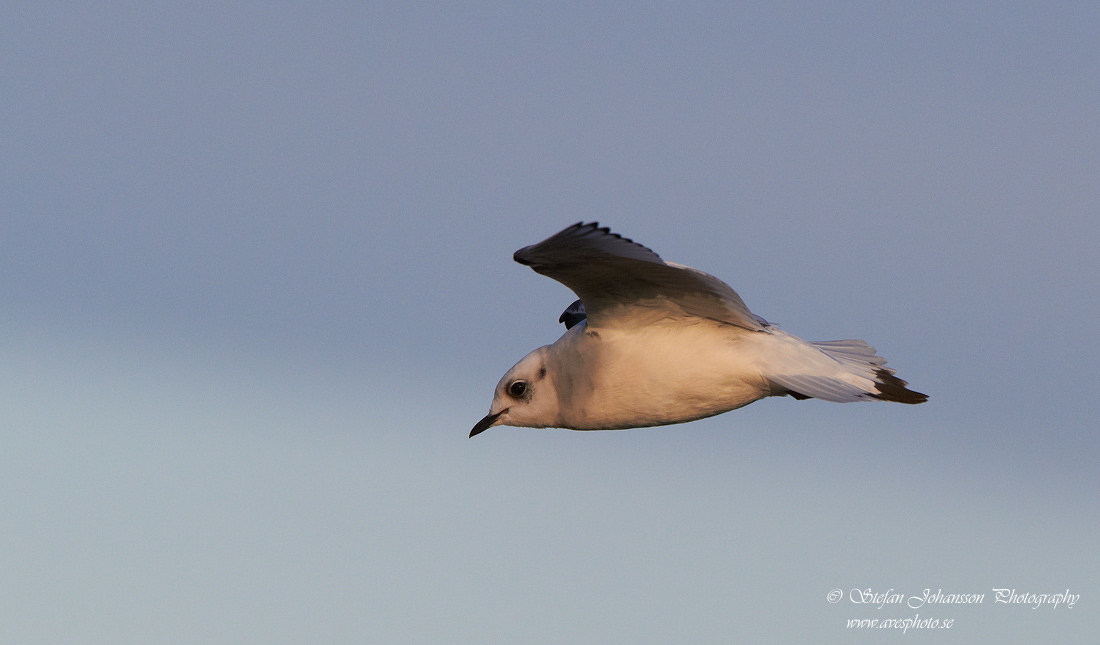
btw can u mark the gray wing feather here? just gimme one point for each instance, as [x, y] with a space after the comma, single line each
[611, 273]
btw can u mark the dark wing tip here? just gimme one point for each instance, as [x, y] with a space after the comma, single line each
[524, 255]
[577, 235]
[892, 388]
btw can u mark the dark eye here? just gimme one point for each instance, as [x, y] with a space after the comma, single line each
[517, 388]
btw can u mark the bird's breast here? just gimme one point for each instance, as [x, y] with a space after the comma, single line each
[654, 375]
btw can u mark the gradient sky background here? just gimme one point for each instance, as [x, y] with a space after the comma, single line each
[256, 286]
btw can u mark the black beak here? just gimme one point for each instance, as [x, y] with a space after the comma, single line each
[484, 424]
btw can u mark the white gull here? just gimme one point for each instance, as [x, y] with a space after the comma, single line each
[652, 343]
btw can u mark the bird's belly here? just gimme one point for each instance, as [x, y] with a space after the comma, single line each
[659, 376]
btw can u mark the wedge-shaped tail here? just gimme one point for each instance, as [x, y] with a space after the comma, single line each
[836, 370]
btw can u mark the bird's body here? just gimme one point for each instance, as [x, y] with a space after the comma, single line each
[652, 343]
[656, 374]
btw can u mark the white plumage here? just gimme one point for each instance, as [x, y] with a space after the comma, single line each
[652, 343]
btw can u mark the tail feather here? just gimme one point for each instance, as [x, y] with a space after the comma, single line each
[892, 388]
[854, 373]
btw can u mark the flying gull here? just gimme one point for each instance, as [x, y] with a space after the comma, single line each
[652, 343]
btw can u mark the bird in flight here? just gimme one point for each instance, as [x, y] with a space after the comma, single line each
[652, 343]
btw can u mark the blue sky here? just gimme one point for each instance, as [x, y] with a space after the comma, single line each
[256, 286]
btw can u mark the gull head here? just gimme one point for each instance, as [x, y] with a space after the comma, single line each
[524, 397]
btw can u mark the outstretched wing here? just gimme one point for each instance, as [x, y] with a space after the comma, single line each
[615, 277]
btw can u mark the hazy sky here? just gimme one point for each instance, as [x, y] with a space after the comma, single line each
[256, 286]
